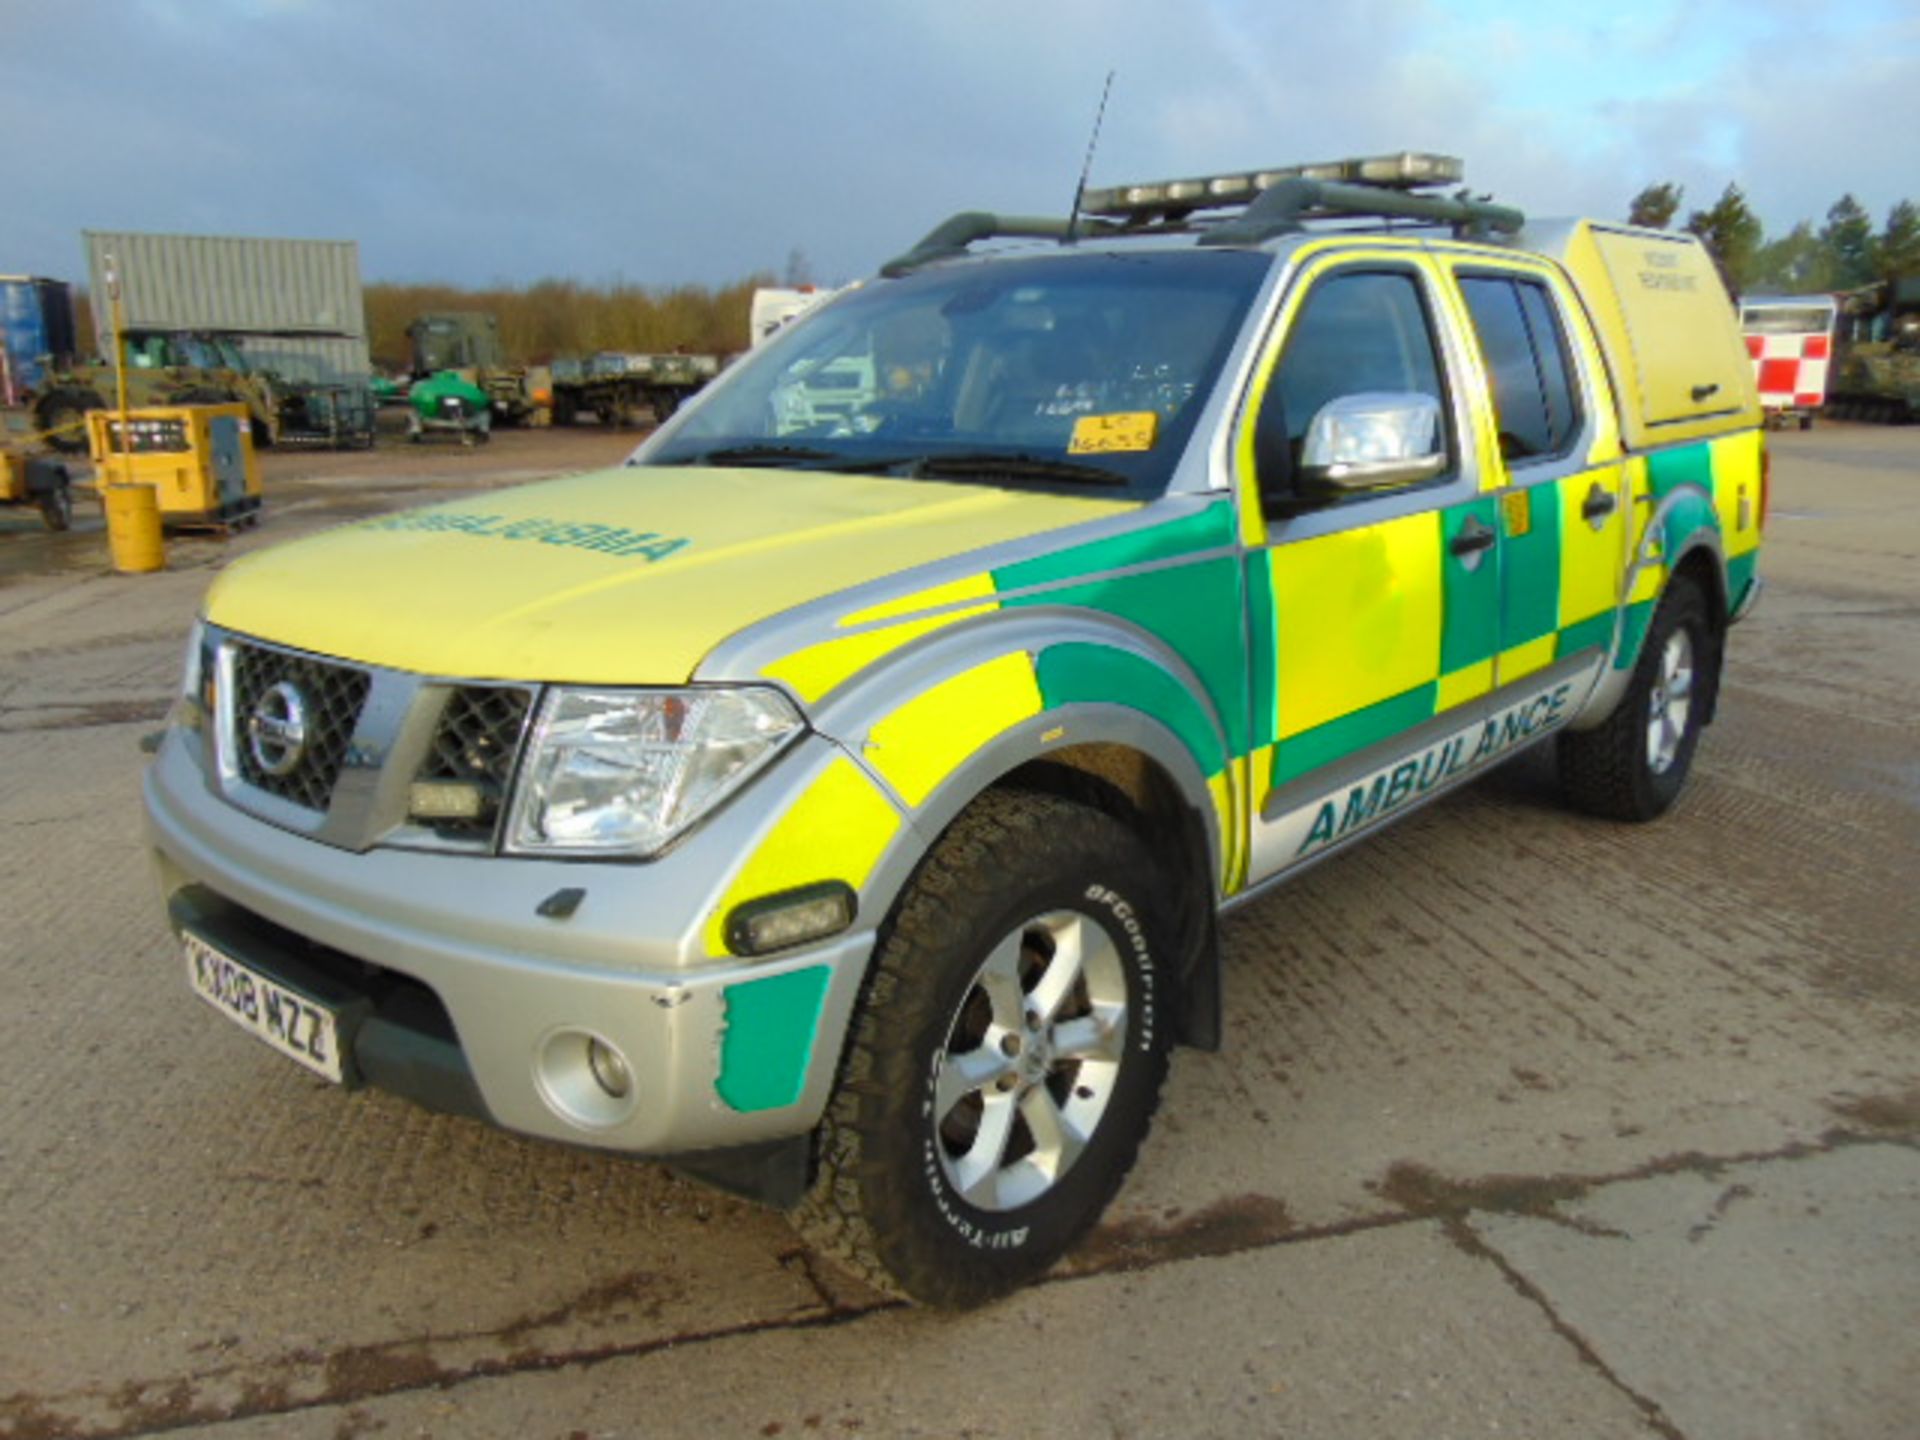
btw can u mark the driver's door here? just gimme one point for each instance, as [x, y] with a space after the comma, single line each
[1373, 616]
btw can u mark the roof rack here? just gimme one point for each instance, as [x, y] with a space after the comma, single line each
[952, 236]
[1277, 202]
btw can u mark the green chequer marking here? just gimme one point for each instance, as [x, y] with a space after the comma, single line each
[1680, 465]
[1194, 608]
[1595, 632]
[1208, 529]
[1098, 674]
[1470, 603]
[1530, 570]
[1260, 648]
[1632, 632]
[1336, 739]
[769, 1038]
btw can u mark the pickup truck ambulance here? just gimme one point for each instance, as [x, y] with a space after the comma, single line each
[842, 806]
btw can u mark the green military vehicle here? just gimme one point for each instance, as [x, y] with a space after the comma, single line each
[164, 367]
[190, 367]
[467, 342]
[1877, 364]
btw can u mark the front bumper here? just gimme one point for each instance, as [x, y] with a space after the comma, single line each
[723, 1053]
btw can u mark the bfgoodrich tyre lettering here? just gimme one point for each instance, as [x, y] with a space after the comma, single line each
[1008, 1059]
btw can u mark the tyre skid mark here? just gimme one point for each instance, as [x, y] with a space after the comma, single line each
[80, 714]
[306, 1380]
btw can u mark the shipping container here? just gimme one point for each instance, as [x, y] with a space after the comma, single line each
[233, 284]
[36, 322]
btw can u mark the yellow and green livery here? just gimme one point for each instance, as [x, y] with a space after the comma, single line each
[840, 797]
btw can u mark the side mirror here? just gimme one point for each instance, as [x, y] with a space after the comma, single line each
[1364, 442]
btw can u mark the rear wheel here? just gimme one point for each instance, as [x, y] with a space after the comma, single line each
[1634, 765]
[1007, 1060]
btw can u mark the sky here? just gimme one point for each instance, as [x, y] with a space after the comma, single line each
[669, 142]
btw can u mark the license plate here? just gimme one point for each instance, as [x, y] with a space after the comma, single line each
[294, 1025]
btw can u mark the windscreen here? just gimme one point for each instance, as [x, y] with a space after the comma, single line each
[1064, 372]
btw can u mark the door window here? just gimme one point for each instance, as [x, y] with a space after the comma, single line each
[1361, 332]
[1526, 357]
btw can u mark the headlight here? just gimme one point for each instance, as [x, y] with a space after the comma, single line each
[196, 699]
[190, 670]
[625, 771]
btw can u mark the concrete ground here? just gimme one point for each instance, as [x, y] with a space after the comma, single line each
[1526, 1124]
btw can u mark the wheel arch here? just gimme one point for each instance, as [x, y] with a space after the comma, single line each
[1142, 794]
[1703, 566]
[1683, 538]
[1126, 764]
[1066, 701]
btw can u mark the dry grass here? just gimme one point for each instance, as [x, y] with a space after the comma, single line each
[563, 317]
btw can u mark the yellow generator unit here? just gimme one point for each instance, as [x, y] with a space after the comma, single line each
[198, 458]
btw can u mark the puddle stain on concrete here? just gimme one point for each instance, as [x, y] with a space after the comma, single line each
[1227, 1227]
[1897, 1114]
[306, 1379]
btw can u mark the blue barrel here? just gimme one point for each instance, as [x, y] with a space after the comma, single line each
[36, 320]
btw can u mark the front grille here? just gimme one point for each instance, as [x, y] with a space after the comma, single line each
[330, 699]
[478, 737]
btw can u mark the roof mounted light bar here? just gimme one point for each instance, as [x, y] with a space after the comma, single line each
[1284, 209]
[1405, 171]
[1277, 202]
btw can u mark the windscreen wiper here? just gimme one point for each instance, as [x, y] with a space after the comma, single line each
[802, 456]
[1002, 465]
[763, 454]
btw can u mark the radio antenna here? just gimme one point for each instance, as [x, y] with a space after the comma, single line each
[1080, 190]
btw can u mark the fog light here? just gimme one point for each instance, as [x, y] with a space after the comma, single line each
[609, 1068]
[779, 922]
[585, 1080]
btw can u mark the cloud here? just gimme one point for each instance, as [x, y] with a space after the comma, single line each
[665, 144]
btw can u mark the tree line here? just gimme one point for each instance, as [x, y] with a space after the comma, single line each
[1843, 254]
[551, 318]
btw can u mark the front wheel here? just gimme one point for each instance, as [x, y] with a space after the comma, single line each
[62, 416]
[1007, 1060]
[1634, 764]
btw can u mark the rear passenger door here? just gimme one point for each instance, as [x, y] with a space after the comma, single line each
[1557, 467]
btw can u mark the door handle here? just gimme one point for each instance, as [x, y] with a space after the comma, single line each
[1701, 392]
[1472, 540]
[1598, 505]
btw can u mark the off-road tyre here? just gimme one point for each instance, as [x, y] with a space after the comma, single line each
[1611, 770]
[884, 1203]
[61, 413]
